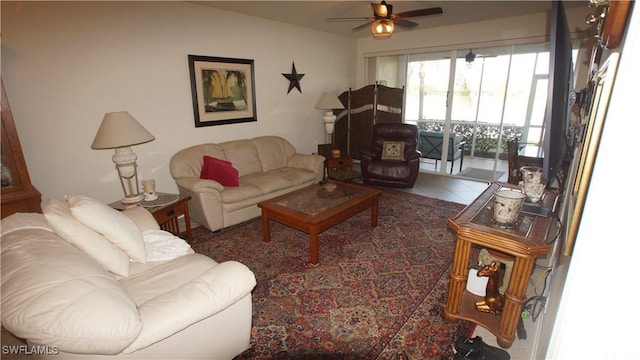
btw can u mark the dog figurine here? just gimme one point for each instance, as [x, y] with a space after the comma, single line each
[493, 301]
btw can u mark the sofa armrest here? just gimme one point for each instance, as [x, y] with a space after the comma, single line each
[197, 185]
[206, 295]
[311, 162]
[142, 218]
[205, 206]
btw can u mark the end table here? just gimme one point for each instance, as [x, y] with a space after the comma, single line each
[341, 169]
[525, 242]
[166, 209]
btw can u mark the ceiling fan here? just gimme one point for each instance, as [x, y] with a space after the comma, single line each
[471, 56]
[384, 20]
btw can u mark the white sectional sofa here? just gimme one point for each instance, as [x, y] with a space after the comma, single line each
[267, 166]
[60, 294]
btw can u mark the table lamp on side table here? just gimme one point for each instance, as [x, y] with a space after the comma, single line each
[329, 102]
[119, 131]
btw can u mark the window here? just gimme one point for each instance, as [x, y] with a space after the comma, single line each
[501, 94]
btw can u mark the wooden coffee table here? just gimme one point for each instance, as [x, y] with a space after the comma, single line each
[314, 209]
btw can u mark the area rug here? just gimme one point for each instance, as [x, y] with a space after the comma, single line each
[377, 293]
[481, 174]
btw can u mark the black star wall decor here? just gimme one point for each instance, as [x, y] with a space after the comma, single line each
[294, 78]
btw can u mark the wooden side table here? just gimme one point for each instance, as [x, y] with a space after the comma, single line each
[341, 169]
[525, 242]
[167, 209]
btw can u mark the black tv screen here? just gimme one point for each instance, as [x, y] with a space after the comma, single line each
[556, 141]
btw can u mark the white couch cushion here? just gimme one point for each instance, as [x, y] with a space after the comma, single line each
[187, 163]
[54, 294]
[59, 218]
[274, 151]
[111, 223]
[243, 155]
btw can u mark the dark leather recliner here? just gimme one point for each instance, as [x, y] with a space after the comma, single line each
[398, 173]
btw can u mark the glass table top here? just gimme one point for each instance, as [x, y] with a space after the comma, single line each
[316, 200]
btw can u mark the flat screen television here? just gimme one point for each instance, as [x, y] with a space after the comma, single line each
[556, 142]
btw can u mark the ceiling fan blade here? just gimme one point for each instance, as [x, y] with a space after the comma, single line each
[359, 27]
[421, 12]
[350, 19]
[404, 23]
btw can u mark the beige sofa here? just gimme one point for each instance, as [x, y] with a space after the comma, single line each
[268, 166]
[66, 305]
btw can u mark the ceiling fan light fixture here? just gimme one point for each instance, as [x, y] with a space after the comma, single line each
[382, 28]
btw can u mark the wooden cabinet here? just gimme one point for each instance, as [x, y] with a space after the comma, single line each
[18, 195]
[615, 23]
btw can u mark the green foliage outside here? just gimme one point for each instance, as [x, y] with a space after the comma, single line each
[486, 136]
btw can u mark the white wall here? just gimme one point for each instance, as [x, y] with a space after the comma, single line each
[597, 316]
[66, 64]
[507, 31]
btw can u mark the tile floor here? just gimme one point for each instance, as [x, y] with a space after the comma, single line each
[464, 191]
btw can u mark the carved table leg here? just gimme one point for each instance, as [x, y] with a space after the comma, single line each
[266, 229]
[314, 245]
[458, 278]
[515, 297]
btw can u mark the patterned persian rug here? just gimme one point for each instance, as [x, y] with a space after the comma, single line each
[377, 293]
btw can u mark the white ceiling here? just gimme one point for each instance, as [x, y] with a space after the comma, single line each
[313, 14]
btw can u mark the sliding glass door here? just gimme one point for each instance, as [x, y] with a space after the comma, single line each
[477, 99]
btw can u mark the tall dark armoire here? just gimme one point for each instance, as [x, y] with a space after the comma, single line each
[364, 107]
[18, 195]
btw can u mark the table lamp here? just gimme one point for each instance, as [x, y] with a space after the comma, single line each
[119, 131]
[329, 102]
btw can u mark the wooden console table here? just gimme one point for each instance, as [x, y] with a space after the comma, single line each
[530, 238]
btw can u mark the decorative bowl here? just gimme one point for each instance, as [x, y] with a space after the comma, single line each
[330, 187]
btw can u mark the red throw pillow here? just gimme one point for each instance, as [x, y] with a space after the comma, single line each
[220, 171]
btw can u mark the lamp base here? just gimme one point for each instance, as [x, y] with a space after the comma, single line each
[132, 199]
[329, 122]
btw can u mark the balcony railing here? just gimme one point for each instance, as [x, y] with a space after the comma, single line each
[481, 138]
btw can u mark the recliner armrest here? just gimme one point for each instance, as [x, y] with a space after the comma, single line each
[369, 154]
[413, 155]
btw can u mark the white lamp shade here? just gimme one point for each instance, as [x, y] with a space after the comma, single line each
[329, 101]
[119, 129]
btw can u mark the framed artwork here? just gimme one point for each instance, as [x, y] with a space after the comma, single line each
[603, 84]
[222, 90]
